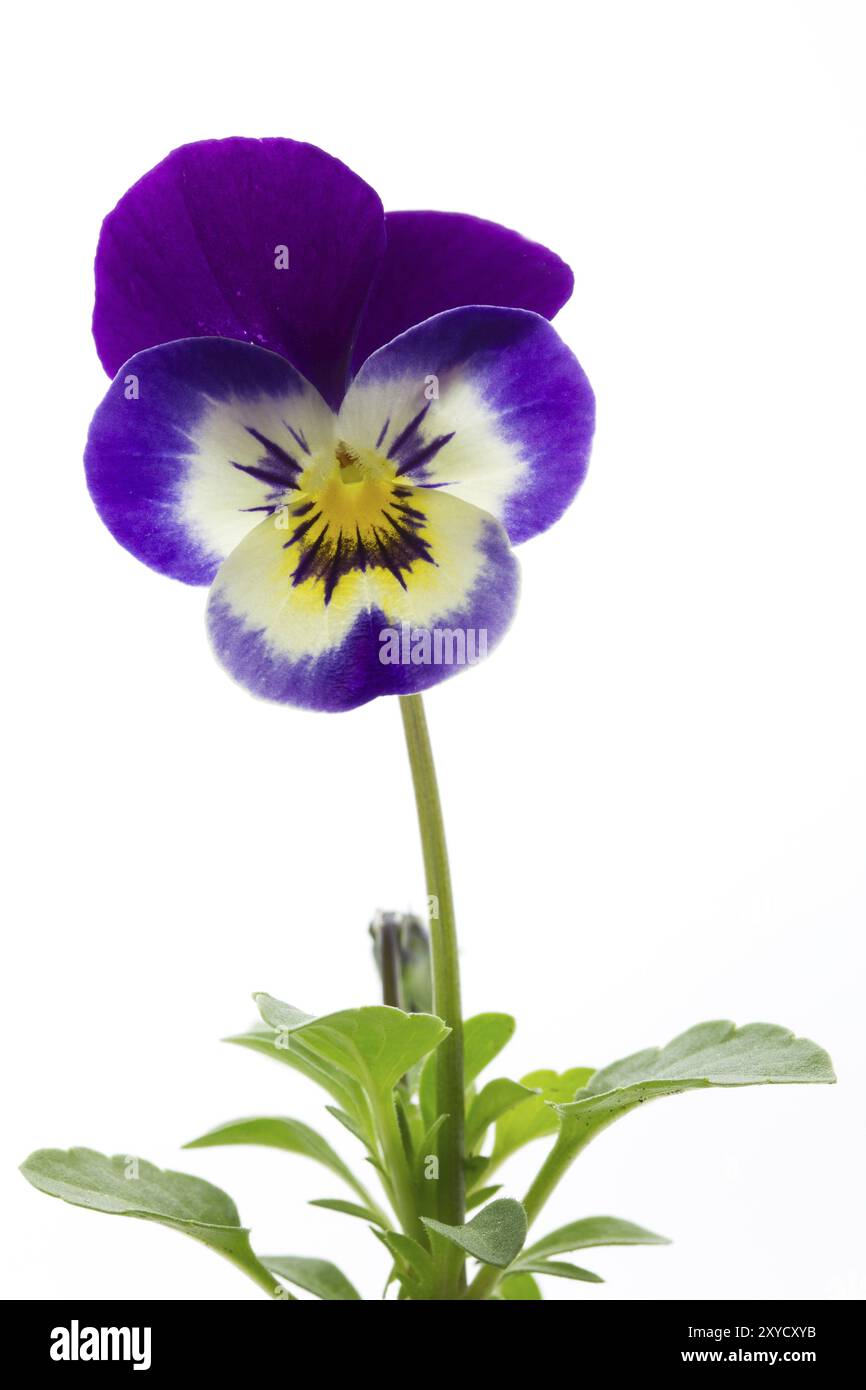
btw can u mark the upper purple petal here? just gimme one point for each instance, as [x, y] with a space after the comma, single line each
[192, 250]
[443, 260]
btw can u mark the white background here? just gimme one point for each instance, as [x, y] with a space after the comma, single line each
[654, 790]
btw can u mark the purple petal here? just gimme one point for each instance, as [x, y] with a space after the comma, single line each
[193, 250]
[194, 442]
[486, 403]
[442, 260]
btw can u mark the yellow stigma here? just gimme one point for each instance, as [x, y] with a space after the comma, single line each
[351, 487]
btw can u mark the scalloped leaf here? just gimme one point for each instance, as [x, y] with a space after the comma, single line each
[710, 1054]
[125, 1186]
[374, 1045]
[721, 1054]
[318, 1277]
[495, 1236]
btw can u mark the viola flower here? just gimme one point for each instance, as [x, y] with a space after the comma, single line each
[340, 420]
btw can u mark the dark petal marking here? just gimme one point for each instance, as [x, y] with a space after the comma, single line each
[144, 466]
[298, 436]
[302, 530]
[405, 435]
[415, 543]
[332, 576]
[386, 559]
[409, 512]
[266, 475]
[412, 524]
[307, 560]
[383, 431]
[276, 452]
[535, 395]
[425, 454]
[395, 544]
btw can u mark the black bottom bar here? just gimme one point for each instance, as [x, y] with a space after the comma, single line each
[264, 1338]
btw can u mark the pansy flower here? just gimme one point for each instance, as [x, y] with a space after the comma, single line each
[340, 420]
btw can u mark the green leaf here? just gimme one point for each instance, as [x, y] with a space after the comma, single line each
[348, 1209]
[413, 1265]
[559, 1269]
[319, 1277]
[558, 1087]
[425, 1187]
[410, 1122]
[720, 1054]
[126, 1186]
[492, 1101]
[519, 1288]
[495, 1236]
[592, 1231]
[474, 1167]
[347, 1122]
[279, 1132]
[413, 1255]
[427, 1146]
[533, 1118]
[475, 1199]
[711, 1054]
[374, 1046]
[347, 1093]
[484, 1036]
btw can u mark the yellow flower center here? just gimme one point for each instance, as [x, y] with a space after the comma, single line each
[352, 512]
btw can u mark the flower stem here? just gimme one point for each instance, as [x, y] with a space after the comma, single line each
[451, 1200]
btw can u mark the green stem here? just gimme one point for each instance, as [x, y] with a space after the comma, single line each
[554, 1167]
[451, 1203]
